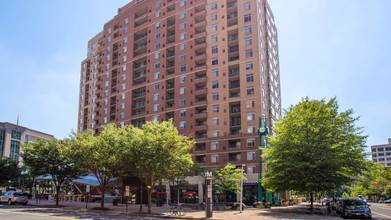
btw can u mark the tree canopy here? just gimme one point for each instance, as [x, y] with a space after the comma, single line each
[227, 179]
[315, 149]
[44, 157]
[8, 170]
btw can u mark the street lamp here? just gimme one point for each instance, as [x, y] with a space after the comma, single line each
[23, 173]
[241, 191]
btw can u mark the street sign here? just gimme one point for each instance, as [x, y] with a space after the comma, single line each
[209, 203]
[126, 190]
[37, 187]
[88, 188]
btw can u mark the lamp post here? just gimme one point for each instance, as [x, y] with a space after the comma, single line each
[23, 173]
[262, 131]
[241, 191]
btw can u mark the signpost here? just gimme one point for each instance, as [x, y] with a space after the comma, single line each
[209, 202]
[87, 193]
[36, 193]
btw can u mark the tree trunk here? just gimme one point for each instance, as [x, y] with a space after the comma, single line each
[149, 190]
[58, 194]
[102, 202]
[312, 202]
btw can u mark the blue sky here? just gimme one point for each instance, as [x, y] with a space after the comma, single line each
[327, 48]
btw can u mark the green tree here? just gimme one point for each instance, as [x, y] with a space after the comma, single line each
[44, 157]
[359, 190]
[99, 154]
[157, 152]
[315, 149]
[227, 179]
[8, 170]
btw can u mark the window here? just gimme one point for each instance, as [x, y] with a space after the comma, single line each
[182, 90]
[106, 83]
[156, 107]
[16, 134]
[215, 61]
[250, 78]
[215, 133]
[251, 116]
[247, 29]
[213, 27]
[123, 105]
[183, 46]
[106, 102]
[183, 57]
[250, 90]
[250, 142]
[125, 40]
[157, 55]
[182, 36]
[215, 50]
[105, 111]
[380, 149]
[249, 65]
[107, 66]
[215, 72]
[158, 14]
[157, 75]
[108, 49]
[251, 169]
[156, 86]
[183, 25]
[215, 96]
[247, 18]
[14, 150]
[126, 20]
[123, 96]
[182, 113]
[107, 75]
[263, 105]
[183, 68]
[251, 129]
[214, 146]
[108, 31]
[213, 17]
[182, 124]
[215, 108]
[183, 3]
[122, 115]
[214, 38]
[123, 77]
[157, 35]
[250, 155]
[213, 6]
[158, 4]
[156, 96]
[124, 58]
[157, 25]
[249, 53]
[106, 92]
[125, 29]
[381, 154]
[246, 6]
[183, 15]
[215, 84]
[214, 158]
[157, 45]
[121, 124]
[156, 117]
[182, 102]
[123, 67]
[157, 65]
[182, 79]
[216, 121]
[124, 49]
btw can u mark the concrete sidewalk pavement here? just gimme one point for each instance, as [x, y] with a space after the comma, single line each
[291, 212]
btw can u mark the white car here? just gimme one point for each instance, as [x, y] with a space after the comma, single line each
[13, 197]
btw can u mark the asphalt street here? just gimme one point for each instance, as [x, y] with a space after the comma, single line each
[19, 212]
[380, 211]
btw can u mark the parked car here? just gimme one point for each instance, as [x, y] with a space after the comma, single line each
[354, 207]
[387, 201]
[13, 197]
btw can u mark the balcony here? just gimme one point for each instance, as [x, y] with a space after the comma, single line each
[233, 38]
[233, 49]
[234, 85]
[170, 65]
[140, 46]
[138, 76]
[235, 109]
[140, 65]
[139, 95]
[138, 105]
[139, 37]
[232, 15]
[170, 86]
[232, 4]
[141, 21]
[200, 147]
[234, 72]
[170, 97]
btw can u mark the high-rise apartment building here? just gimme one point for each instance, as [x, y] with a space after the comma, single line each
[211, 65]
[381, 154]
[12, 137]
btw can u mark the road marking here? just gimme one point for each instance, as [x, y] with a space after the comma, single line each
[49, 216]
[381, 214]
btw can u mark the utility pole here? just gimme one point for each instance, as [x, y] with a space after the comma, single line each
[262, 131]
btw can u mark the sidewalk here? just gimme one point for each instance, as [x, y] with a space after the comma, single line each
[290, 212]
